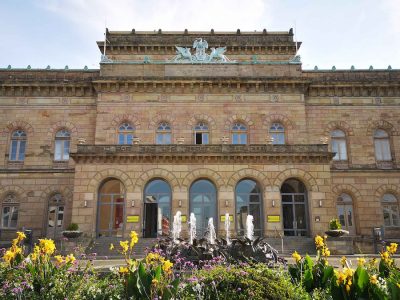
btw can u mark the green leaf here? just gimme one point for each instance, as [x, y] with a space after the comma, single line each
[327, 275]
[337, 292]
[308, 262]
[157, 274]
[308, 280]
[362, 280]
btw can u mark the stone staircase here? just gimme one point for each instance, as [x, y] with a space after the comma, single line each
[101, 246]
[303, 245]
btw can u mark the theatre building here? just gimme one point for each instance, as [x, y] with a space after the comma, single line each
[200, 122]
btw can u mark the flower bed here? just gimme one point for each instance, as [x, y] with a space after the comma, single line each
[44, 274]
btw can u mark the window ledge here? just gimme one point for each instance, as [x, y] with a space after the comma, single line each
[340, 164]
[385, 164]
[60, 164]
[15, 164]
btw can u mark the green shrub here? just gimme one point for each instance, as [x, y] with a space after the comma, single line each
[73, 227]
[334, 224]
[242, 282]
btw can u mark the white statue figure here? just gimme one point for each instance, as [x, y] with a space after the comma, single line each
[201, 45]
[182, 53]
[218, 53]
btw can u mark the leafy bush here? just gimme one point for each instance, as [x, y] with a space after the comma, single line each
[73, 227]
[241, 282]
[368, 281]
[334, 224]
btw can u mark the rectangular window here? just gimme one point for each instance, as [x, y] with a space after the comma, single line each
[382, 150]
[201, 138]
[13, 153]
[279, 138]
[163, 138]
[10, 217]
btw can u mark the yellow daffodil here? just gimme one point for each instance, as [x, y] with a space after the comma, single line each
[167, 265]
[70, 258]
[343, 261]
[373, 279]
[124, 245]
[154, 282]
[319, 241]
[134, 239]
[152, 258]
[385, 256]
[59, 259]
[20, 236]
[111, 246]
[392, 249]
[123, 270]
[361, 261]
[347, 288]
[47, 246]
[296, 256]
[9, 256]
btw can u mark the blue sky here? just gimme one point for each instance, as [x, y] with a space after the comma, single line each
[333, 32]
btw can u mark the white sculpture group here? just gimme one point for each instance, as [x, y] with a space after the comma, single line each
[184, 54]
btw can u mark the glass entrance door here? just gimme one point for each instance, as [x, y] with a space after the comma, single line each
[111, 205]
[157, 209]
[294, 208]
[55, 221]
[203, 205]
[55, 217]
[345, 212]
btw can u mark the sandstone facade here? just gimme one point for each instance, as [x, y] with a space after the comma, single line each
[139, 86]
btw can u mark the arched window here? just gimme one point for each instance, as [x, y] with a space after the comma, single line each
[9, 217]
[110, 208]
[157, 208]
[203, 203]
[55, 216]
[390, 208]
[239, 134]
[248, 202]
[163, 134]
[294, 208]
[125, 134]
[61, 147]
[345, 212]
[201, 133]
[277, 132]
[338, 142]
[382, 145]
[17, 145]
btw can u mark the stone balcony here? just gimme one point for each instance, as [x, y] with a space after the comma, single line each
[304, 153]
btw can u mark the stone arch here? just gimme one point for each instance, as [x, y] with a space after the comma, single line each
[118, 119]
[61, 125]
[248, 173]
[203, 173]
[346, 188]
[302, 175]
[18, 124]
[100, 176]
[238, 118]
[338, 125]
[381, 124]
[277, 118]
[20, 192]
[387, 188]
[145, 177]
[51, 190]
[201, 117]
[159, 118]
